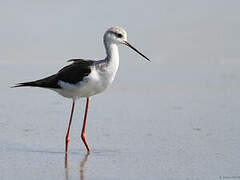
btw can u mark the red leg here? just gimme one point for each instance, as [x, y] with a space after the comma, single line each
[69, 126]
[84, 126]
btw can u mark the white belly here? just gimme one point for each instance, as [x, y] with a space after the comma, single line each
[94, 83]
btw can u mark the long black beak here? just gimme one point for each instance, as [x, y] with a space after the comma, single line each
[129, 45]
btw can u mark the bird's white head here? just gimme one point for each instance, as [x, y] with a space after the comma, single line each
[117, 35]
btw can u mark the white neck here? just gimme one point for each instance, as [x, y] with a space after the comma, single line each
[112, 52]
[112, 58]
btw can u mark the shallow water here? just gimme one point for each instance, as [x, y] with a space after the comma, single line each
[156, 121]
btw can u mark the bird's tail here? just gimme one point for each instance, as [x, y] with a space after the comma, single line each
[48, 82]
[32, 83]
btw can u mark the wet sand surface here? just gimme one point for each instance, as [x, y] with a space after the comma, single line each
[157, 121]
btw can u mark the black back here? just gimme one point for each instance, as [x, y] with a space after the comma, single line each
[72, 73]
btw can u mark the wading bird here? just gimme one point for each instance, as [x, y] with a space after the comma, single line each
[85, 78]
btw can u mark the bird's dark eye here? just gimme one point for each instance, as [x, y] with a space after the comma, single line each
[119, 35]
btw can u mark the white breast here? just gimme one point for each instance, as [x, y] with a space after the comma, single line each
[101, 76]
[96, 82]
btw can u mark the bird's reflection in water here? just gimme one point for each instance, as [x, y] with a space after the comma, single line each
[66, 161]
[82, 167]
[66, 167]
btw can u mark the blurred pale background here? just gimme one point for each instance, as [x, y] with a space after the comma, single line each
[167, 31]
[176, 117]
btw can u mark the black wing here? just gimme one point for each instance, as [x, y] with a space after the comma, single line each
[76, 71]
[72, 73]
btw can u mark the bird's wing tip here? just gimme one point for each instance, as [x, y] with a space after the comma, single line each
[16, 85]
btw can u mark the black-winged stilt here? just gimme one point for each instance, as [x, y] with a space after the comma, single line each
[85, 78]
